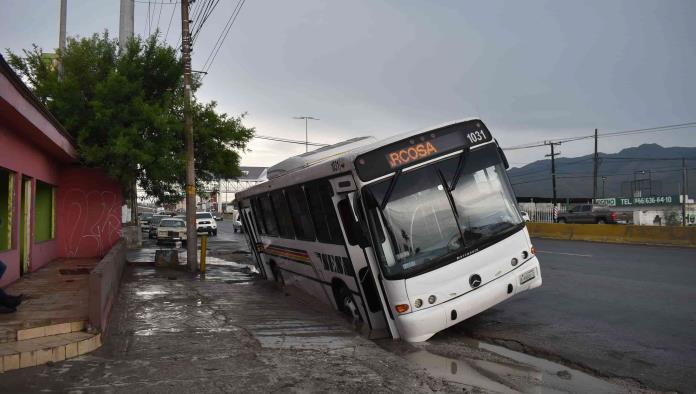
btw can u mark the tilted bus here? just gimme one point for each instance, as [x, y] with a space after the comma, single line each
[409, 235]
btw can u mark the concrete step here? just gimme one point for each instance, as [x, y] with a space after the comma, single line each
[47, 348]
[49, 330]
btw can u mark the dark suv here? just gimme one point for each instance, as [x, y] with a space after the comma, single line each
[588, 213]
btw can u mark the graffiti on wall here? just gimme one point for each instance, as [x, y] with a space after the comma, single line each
[92, 222]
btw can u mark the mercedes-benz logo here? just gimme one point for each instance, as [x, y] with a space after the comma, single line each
[474, 280]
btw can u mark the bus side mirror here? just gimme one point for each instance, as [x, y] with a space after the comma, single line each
[502, 155]
[354, 231]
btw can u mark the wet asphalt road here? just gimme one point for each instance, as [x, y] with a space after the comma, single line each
[621, 310]
[230, 332]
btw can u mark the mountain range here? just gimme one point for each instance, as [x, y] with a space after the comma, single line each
[650, 168]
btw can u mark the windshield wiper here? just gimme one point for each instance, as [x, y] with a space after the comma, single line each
[460, 168]
[390, 189]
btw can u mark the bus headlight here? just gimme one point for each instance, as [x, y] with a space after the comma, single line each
[418, 303]
[514, 261]
[432, 299]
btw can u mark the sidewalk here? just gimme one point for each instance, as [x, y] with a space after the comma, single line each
[50, 324]
[173, 332]
[57, 293]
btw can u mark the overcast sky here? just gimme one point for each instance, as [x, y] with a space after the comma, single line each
[532, 70]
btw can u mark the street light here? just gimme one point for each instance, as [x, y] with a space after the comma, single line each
[306, 118]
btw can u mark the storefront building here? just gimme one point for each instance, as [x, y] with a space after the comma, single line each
[50, 206]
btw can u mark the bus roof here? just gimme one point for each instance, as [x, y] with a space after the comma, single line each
[306, 167]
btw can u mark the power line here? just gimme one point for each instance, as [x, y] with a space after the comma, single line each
[601, 159]
[170, 23]
[207, 65]
[576, 176]
[159, 16]
[656, 129]
[279, 139]
[204, 18]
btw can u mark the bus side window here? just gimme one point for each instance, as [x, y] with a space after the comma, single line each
[269, 219]
[354, 232]
[280, 206]
[258, 215]
[300, 214]
[323, 214]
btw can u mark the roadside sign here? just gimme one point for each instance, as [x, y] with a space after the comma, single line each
[638, 201]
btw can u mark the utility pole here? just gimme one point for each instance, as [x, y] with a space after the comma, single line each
[596, 165]
[684, 191]
[553, 167]
[191, 233]
[306, 119]
[61, 34]
[126, 23]
[125, 32]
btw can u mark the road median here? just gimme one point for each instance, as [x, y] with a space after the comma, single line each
[616, 233]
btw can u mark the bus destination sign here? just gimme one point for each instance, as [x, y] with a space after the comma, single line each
[421, 147]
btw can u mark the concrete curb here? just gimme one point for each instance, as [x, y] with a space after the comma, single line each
[616, 233]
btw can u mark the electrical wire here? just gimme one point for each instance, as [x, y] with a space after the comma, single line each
[159, 16]
[279, 139]
[170, 23]
[207, 65]
[204, 18]
[656, 129]
[575, 176]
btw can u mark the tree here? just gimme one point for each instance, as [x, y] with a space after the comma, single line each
[125, 110]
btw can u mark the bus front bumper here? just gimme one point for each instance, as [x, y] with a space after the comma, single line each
[420, 325]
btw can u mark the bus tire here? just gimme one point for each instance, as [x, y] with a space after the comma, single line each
[277, 274]
[346, 303]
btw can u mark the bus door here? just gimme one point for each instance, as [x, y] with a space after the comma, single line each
[251, 235]
[362, 257]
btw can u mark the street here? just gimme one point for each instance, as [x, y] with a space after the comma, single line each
[617, 310]
[231, 331]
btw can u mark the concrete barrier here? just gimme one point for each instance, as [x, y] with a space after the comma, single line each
[133, 235]
[104, 282]
[616, 233]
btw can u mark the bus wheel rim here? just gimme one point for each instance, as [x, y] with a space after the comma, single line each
[350, 306]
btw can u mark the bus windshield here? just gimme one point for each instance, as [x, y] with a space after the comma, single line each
[435, 214]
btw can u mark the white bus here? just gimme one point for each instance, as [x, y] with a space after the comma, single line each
[409, 235]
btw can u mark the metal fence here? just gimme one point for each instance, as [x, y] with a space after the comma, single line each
[645, 216]
[541, 212]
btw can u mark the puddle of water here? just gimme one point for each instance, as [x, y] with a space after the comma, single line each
[535, 375]
[150, 292]
[152, 331]
[558, 376]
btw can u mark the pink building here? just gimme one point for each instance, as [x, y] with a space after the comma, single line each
[50, 206]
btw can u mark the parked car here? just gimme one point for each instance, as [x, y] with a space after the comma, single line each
[170, 230]
[237, 226]
[145, 220]
[153, 224]
[525, 216]
[205, 223]
[589, 213]
[218, 216]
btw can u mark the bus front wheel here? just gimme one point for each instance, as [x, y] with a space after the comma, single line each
[346, 303]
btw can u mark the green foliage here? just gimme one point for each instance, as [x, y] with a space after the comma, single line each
[125, 109]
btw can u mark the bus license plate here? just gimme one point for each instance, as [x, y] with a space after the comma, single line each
[527, 276]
